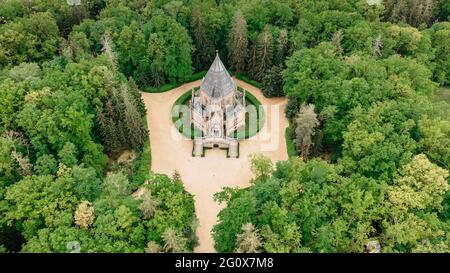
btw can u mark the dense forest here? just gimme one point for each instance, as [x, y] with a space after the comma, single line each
[369, 126]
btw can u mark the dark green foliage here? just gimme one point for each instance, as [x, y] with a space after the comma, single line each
[440, 40]
[69, 91]
[322, 77]
[272, 83]
[261, 55]
[203, 40]
[310, 207]
[177, 208]
[242, 209]
[142, 167]
[46, 164]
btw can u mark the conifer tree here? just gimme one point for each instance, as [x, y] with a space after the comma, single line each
[238, 43]
[306, 122]
[158, 69]
[204, 45]
[262, 60]
[149, 205]
[136, 95]
[337, 41]
[133, 123]
[282, 48]
[174, 242]
[249, 241]
[377, 47]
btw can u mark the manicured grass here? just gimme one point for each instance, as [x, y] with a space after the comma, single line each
[247, 133]
[443, 94]
[290, 143]
[170, 86]
[183, 100]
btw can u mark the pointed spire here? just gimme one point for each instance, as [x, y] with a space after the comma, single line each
[217, 82]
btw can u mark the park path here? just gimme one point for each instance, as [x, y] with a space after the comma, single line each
[203, 177]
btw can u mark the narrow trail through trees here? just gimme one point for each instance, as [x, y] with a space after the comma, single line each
[203, 177]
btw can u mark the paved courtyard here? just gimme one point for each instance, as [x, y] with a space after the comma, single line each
[205, 176]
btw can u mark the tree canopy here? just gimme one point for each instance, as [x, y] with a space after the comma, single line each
[361, 81]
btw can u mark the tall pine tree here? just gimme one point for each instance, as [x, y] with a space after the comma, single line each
[263, 55]
[135, 131]
[204, 44]
[238, 43]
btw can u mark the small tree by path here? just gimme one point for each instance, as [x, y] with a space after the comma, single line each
[306, 125]
[249, 241]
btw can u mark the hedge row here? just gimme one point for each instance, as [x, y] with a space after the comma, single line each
[170, 86]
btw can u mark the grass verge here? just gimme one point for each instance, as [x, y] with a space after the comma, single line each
[289, 143]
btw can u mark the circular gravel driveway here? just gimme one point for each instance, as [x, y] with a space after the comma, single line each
[205, 176]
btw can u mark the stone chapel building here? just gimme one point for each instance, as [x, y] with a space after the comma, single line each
[218, 111]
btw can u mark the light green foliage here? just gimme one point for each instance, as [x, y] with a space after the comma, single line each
[174, 242]
[306, 123]
[260, 165]
[176, 210]
[435, 139]
[68, 154]
[10, 9]
[440, 40]
[6, 161]
[27, 39]
[117, 184]
[416, 196]
[379, 140]
[69, 98]
[311, 207]
[41, 201]
[249, 240]
[11, 101]
[420, 185]
[25, 72]
[241, 209]
[321, 76]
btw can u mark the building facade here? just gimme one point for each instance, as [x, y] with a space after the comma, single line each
[218, 111]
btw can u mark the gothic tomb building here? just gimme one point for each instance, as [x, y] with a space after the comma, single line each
[218, 111]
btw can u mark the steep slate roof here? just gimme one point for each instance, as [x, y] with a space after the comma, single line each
[217, 82]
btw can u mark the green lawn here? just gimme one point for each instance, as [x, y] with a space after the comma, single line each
[290, 143]
[247, 133]
[443, 94]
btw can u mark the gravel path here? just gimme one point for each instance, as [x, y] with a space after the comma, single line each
[203, 177]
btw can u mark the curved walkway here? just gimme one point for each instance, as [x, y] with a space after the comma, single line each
[205, 176]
